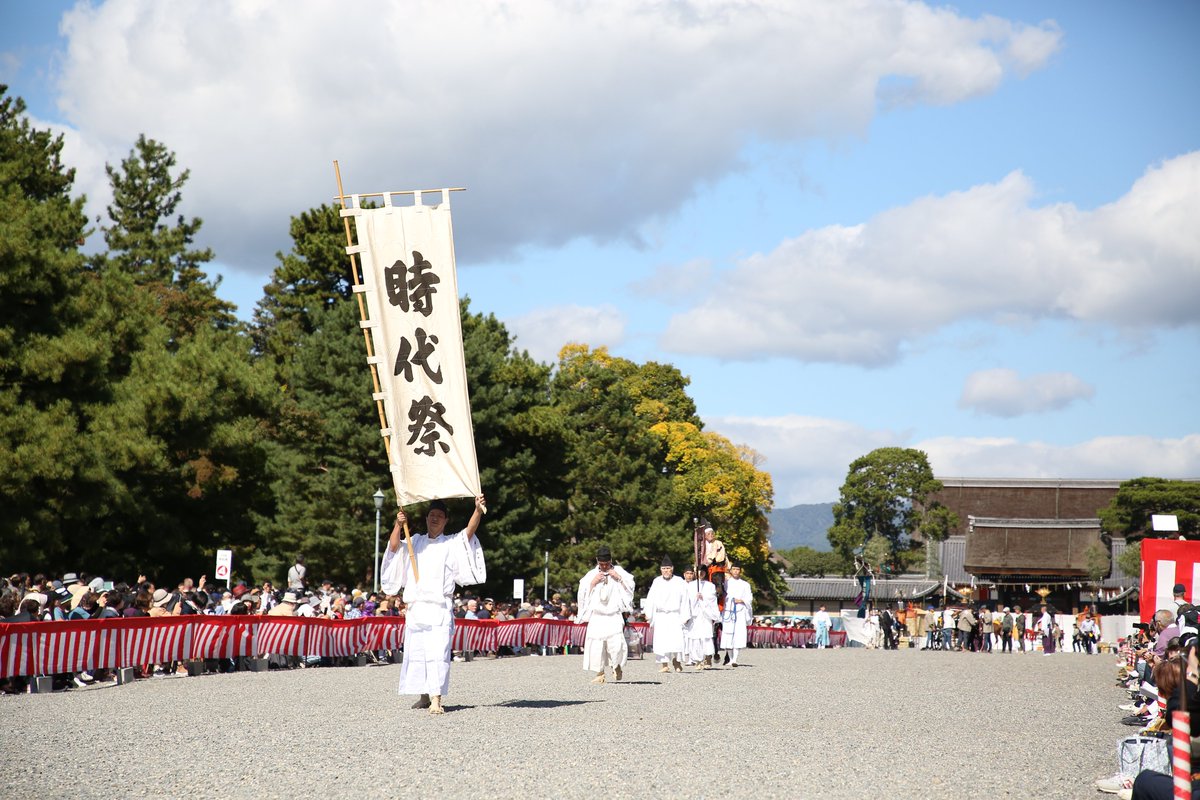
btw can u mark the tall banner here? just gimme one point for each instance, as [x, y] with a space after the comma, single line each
[1166, 562]
[411, 291]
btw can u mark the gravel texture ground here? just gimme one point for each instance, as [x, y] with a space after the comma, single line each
[848, 723]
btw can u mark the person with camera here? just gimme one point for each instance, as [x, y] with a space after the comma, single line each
[605, 596]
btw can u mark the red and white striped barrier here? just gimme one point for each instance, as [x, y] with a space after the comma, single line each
[1181, 754]
[763, 636]
[47, 648]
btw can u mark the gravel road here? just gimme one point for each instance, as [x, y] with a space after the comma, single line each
[848, 723]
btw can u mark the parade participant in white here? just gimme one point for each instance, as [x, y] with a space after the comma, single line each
[667, 609]
[822, 623]
[442, 561]
[605, 593]
[698, 632]
[739, 606]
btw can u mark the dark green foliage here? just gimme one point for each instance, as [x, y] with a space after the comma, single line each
[312, 277]
[327, 458]
[1128, 513]
[618, 488]
[130, 439]
[144, 242]
[807, 562]
[886, 494]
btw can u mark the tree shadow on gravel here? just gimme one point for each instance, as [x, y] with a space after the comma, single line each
[542, 703]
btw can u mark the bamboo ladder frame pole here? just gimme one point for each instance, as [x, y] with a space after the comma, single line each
[362, 315]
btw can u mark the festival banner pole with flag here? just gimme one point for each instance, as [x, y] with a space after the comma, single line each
[407, 293]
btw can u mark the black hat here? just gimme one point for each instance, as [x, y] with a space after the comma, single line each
[440, 506]
[1179, 589]
[603, 553]
[666, 562]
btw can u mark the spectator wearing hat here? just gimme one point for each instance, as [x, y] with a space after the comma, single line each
[159, 602]
[286, 607]
[56, 601]
[75, 586]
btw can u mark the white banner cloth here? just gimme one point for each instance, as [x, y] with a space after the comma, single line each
[411, 290]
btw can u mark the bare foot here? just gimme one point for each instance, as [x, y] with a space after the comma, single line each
[422, 702]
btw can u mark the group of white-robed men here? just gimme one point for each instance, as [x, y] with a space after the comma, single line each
[681, 612]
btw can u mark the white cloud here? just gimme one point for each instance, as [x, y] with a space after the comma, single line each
[858, 294]
[1004, 393]
[674, 283]
[807, 457]
[563, 119]
[544, 331]
[1113, 457]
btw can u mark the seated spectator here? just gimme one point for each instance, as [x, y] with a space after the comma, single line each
[86, 607]
[286, 607]
[111, 604]
[141, 605]
[159, 602]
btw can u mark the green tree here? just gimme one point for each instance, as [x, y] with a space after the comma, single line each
[807, 562]
[123, 448]
[326, 459]
[714, 478]
[156, 251]
[520, 445]
[1130, 560]
[618, 486]
[1099, 562]
[312, 277]
[1128, 513]
[886, 493]
[49, 366]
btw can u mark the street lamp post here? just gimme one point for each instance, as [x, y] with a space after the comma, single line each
[378, 498]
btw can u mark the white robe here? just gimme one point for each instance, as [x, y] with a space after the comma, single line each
[698, 632]
[667, 610]
[429, 618]
[601, 607]
[736, 616]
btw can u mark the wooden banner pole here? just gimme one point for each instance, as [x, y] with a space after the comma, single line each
[362, 315]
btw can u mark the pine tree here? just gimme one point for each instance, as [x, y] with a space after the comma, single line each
[144, 242]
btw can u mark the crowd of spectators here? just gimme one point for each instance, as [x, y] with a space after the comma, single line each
[1159, 670]
[77, 596]
[979, 628]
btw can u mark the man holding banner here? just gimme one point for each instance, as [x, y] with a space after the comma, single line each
[442, 560]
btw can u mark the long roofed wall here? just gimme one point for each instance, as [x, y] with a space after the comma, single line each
[1027, 499]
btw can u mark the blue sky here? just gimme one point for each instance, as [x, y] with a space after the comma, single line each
[969, 229]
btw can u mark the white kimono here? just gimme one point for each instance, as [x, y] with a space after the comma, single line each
[698, 632]
[429, 619]
[601, 607]
[736, 616]
[667, 610]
